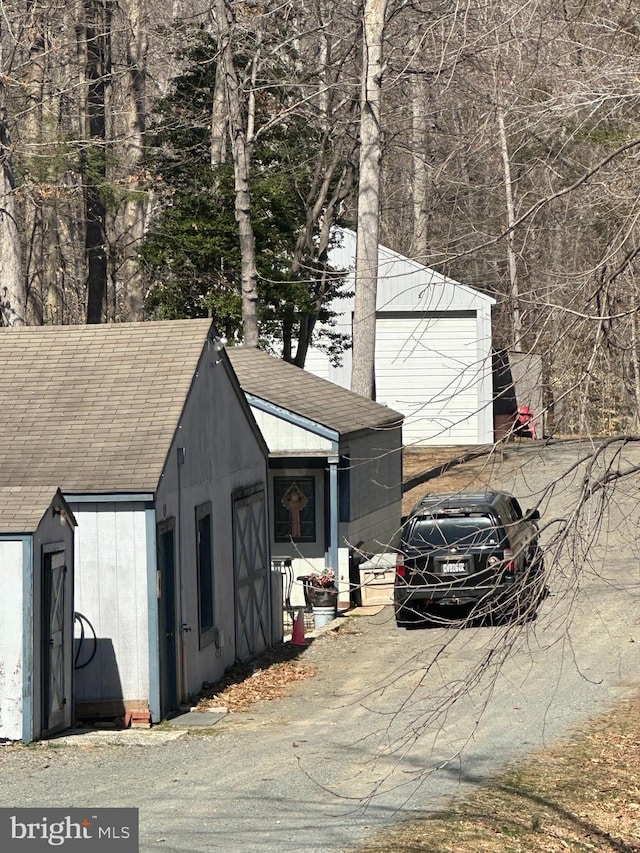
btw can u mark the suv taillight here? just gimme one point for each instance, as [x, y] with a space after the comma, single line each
[509, 562]
[400, 570]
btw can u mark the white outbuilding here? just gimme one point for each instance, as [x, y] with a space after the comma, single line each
[433, 348]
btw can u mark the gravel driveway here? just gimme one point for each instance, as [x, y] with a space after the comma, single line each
[395, 721]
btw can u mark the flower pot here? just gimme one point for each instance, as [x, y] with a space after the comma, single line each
[323, 597]
[324, 602]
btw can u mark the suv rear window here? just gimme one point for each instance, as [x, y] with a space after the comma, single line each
[462, 531]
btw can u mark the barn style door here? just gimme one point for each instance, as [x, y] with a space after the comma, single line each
[251, 573]
[56, 651]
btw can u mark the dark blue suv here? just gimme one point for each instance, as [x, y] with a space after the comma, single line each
[468, 548]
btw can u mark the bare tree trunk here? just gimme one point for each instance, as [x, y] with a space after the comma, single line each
[218, 120]
[514, 296]
[96, 34]
[44, 132]
[34, 167]
[13, 296]
[420, 183]
[241, 145]
[131, 220]
[53, 303]
[635, 357]
[366, 275]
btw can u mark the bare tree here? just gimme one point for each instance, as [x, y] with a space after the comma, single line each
[127, 172]
[241, 129]
[514, 298]
[331, 107]
[530, 119]
[369, 181]
[13, 299]
[95, 26]
[313, 91]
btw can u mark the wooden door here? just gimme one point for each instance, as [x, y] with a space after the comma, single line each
[251, 573]
[56, 645]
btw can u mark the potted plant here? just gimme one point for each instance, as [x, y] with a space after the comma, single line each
[323, 595]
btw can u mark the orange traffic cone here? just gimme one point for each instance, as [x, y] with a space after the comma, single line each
[297, 638]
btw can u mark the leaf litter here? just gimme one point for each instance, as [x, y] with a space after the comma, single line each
[268, 677]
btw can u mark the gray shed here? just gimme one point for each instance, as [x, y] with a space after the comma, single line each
[153, 444]
[341, 452]
[36, 612]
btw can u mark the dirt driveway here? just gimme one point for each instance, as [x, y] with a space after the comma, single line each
[395, 722]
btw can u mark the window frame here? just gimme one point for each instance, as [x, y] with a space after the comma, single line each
[307, 484]
[205, 574]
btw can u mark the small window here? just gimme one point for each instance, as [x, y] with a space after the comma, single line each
[507, 512]
[205, 567]
[511, 511]
[516, 508]
[294, 510]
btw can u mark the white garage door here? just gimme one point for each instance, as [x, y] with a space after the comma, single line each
[427, 368]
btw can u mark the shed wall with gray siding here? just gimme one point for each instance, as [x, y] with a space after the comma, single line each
[214, 455]
[221, 457]
[375, 491]
[375, 476]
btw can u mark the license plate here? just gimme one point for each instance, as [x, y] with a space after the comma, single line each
[458, 568]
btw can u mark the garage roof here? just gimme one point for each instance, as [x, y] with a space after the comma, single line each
[404, 284]
[94, 408]
[297, 391]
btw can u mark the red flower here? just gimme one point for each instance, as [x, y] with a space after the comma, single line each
[324, 579]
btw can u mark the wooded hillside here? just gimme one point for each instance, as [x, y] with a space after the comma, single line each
[189, 158]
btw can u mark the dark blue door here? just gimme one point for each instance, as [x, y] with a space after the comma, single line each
[167, 617]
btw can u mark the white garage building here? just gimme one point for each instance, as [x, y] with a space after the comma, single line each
[433, 349]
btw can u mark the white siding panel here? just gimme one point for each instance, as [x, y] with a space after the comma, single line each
[11, 639]
[318, 363]
[111, 592]
[427, 368]
[281, 435]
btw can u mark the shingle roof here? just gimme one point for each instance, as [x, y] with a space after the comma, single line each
[22, 508]
[287, 386]
[94, 408]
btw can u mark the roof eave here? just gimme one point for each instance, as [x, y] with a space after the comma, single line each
[291, 417]
[117, 496]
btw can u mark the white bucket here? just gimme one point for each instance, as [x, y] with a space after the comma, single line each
[323, 615]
